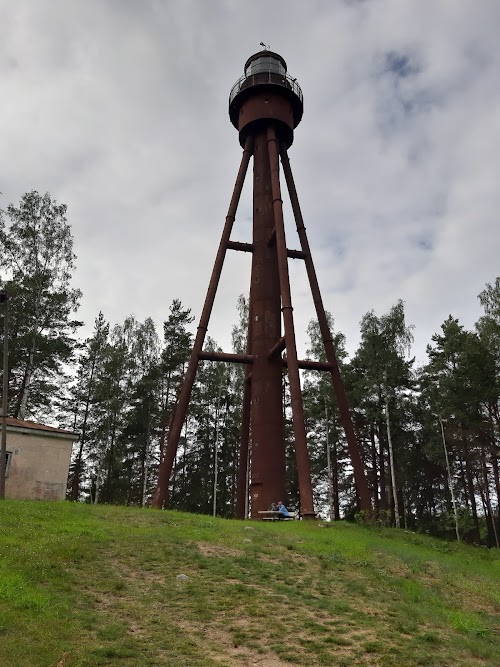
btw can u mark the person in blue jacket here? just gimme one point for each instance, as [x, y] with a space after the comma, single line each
[282, 509]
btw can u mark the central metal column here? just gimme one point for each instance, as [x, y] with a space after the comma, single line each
[268, 451]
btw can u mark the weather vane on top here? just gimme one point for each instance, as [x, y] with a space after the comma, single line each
[266, 46]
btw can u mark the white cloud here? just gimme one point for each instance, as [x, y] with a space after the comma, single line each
[119, 109]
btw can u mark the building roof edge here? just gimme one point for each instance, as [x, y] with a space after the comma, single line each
[27, 425]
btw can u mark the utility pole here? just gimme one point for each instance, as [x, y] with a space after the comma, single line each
[5, 391]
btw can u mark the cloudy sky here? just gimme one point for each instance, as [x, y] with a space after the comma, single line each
[118, 108]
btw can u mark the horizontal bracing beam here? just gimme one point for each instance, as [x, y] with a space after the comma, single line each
[305, 364]
[223, 356]
[248, 247]
[296, 254]
[236, 245]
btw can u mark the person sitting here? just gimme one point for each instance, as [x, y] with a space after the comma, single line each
[282, 509]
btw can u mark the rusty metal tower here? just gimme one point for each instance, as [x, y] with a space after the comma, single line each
[265, 106]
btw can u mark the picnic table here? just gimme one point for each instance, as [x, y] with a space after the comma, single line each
[275, 515]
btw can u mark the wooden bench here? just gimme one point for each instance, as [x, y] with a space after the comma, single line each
[274, 515]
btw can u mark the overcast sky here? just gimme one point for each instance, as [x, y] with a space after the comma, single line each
[118, 108]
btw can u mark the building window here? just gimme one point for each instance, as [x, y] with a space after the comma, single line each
[8, 457]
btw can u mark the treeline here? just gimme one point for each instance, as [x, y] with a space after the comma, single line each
[430, 435]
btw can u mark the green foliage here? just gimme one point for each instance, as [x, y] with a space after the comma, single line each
[212, 439]
[382, 518]
[380, 381]
[332, 483]
[126, 381]
[36, 265]
[124, 393]
[460, 386]
[460, 374]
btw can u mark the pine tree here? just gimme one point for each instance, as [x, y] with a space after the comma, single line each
[37, 262]
[463, 374]
[83, 397]
[380, 374]
[177, 344]
[329, 457]
[139, 433]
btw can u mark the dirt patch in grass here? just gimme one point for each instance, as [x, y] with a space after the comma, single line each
[104, 601]
[136, 630]
[293, 558]
[265, 558]
[218, 550]
[431, 570]
[476, 602]
[233, 654]
[392, 566]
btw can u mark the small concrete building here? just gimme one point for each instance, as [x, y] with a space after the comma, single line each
[38, 459]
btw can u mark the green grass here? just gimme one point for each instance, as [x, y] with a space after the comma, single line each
[85, 586]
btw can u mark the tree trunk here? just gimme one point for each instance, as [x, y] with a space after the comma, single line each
[335, 480]
[391, 461]
[464, 482]
[165, 421]
[216, 452]
[22, 401]
[109, 473]
[98, 478]
[450, 483]
[491, 522]
[145, 466]
[376, 497]
[329, 465]
[496, 476]
[494, 449]
[381, 466]
[405, 508]
[75, 485]
[470, 486]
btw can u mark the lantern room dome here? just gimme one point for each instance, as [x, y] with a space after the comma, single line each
[265, 60]
[265, 72]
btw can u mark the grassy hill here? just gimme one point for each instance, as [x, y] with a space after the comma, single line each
[85, 586]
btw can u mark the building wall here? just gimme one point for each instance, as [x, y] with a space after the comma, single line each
[38, 466]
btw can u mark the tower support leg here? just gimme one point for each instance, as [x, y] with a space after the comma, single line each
[242, 483]
[361, 482]
[302, 455]
[160, 497]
